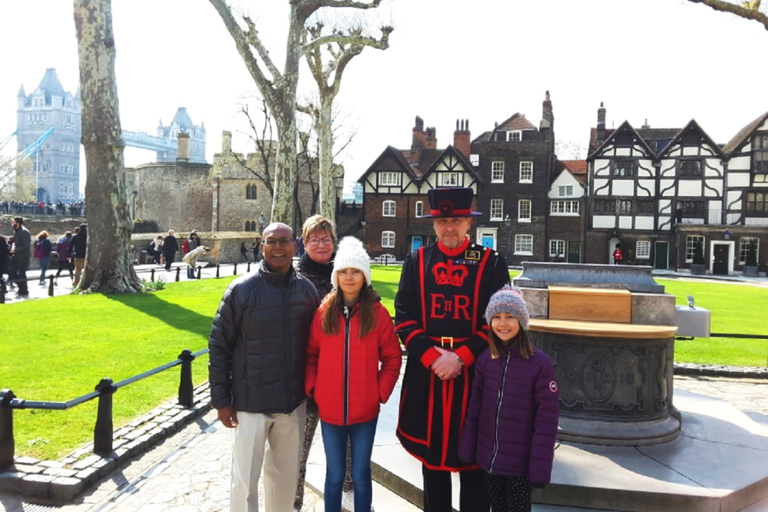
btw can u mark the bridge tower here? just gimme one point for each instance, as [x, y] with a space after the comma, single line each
[57, 162]
[182, 123]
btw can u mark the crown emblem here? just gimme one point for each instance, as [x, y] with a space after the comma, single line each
[446, 207]
[450, 274]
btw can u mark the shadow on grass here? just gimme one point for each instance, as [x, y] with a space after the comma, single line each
[171, 314]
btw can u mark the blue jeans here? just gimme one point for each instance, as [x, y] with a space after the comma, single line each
[45, 261]
[335, 442]
[190, 272]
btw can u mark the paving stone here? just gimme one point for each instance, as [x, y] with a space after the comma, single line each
[27, 461]
[86, 462]
[9, 481]
[51, 464]
[64, 489]
[89, 475]
[105, 466]
[36, 486]
[28, 469]
[63, 472]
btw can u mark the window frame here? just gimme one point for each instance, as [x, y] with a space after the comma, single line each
[744, 248]
[496, 210]
[388, 239]
[559, 248]
[525, 172]
[497, 171]
[645, 252]
[389, 208]
[523, 216]
[448, 179]
[690, 246]
[522, 241]
[418, 209]
[387, 182]
[564, 207]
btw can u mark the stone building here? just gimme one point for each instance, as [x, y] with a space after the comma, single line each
[51, 111]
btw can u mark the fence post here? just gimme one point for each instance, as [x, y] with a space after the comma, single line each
[217, 270]
[3, 290]
[6, 429]
[152, 275]
[178, 273]
[186, 395]
[234, 272]
[248, 269]
[50, 286]
[102, 433]
[199, 271]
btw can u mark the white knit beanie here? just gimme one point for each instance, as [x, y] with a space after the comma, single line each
[351, 255]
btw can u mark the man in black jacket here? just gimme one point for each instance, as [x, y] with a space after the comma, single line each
[20, 256]
[77, 249]
[257, 353]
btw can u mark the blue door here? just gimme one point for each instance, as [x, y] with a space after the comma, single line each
[416, 242]
[488, 241]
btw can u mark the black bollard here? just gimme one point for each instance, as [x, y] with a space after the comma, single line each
[248, 269]
[50, 286]
[234, 272]
[102, 433]
[199, 271]
[152, 275]
[178, 273]
[3, 290]
[7, 445]
[186, 388]
[217, 270]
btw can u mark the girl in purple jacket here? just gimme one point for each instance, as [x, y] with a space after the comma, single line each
[512, 416]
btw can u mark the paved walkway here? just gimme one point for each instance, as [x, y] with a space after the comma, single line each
[189, 472]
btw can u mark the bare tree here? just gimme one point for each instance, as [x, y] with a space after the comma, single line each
[279, 88]
[748, 9]
[327, 62]
[108, 266]
[263, 140]
[17, 180]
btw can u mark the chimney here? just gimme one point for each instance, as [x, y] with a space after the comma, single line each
[461, 137]
[226, 142]
[182, 154]
[431, 142]
[646, 126]
[547, 117]
[419, 137]
[601, 123]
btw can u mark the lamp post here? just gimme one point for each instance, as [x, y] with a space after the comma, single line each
[507, 220]
[262, 220]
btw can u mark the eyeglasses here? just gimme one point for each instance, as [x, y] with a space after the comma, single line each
[282, 242]
[314, 242]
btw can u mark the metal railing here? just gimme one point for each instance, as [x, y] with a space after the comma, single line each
[103, 430]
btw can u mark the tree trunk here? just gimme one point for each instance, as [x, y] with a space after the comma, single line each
[108, 265]
[325, 142]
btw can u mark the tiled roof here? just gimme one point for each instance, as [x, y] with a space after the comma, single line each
[744, 133]
[576, 166]
[517, 122]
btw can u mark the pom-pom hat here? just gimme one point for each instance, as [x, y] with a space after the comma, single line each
[509, 300]
[351, 254]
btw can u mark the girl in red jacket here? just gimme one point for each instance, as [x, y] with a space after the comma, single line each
[353, 363]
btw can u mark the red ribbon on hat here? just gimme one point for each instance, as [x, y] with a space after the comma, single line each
[452, 213]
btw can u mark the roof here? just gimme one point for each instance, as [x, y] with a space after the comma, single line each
[575, 166]
[516, 122]
[50, 85]
[740, 138]
[182, 119]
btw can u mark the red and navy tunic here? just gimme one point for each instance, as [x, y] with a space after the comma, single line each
[441, 301]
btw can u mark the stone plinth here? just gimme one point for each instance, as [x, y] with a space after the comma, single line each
[635, 278]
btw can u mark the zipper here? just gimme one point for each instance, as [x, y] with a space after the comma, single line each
[345, 369]
[499, 398]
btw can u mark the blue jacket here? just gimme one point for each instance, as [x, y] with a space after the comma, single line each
[512, 417]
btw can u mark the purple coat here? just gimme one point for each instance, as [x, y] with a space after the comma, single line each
[511, 421]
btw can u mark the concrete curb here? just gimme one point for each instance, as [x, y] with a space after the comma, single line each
[60, 482]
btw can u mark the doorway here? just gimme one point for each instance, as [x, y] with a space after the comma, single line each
[574, 251]
[721, 257]
[661, 256]
[416, 243]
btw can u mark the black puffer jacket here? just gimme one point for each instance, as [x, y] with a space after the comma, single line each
[258, 342]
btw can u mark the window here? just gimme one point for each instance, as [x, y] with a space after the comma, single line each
[624, 140]
[388, 239]
[524, 210]
[760, 154]
[692, 207]
[526, 172]
[564, 208]
[643, 250]
[689, 167]
[565, 190]
[514, 135]
[388, 209]
[744, 248]
[605, 206]
[623, 168]
[690, 246]
[389, 178]
[523, 244]
[645, 207]
[448, 179]
[557, 248]
[497, 172]
[419, 208]
[250, 225]
[497, 209]
[250, 191]
[757, 202]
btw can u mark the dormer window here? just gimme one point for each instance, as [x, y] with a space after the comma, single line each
[514, 135]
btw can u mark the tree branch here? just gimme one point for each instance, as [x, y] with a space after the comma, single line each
[748, 10]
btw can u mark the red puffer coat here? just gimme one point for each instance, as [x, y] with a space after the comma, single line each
[343, 374]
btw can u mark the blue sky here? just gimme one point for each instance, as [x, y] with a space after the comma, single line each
[664, 61]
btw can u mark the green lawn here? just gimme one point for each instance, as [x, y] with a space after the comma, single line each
[59, 348]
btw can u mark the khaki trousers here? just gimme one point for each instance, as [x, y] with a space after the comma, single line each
[271, 440]
[79, 264]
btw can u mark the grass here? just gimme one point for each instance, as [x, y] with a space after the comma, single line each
[60, 348]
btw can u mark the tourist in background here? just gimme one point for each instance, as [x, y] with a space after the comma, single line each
[512, 416]
[353, 363]
[20, 253]
[4, 256]
[255, 248]
[191, 259]
[193, 242]
[62, 250]
[243, 252]
[157, 249]
[170, 248]
[43, 249]
[77, 249]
